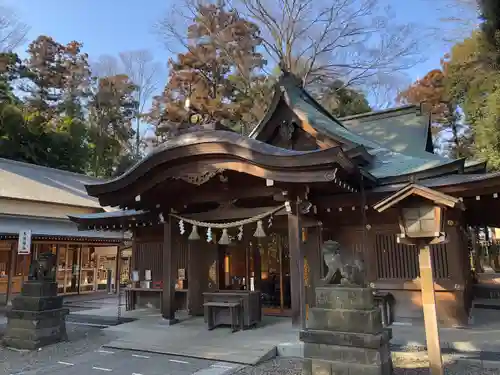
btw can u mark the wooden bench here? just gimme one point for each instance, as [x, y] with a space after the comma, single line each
[215, 312]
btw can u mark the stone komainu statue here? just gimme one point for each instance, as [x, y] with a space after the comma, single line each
[341, 270]
[43, 268]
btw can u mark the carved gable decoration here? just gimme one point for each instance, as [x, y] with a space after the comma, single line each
[199, 177]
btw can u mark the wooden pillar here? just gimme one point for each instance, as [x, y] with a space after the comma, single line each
[296, 266]
[118, 268]
[430, 311]
[195, 300]
[169, 264]
[10, 277]
[312, 252]
[257, 265]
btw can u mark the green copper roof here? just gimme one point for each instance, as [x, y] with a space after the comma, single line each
[388, 163]
[299, 100]
[404, 129]
[397, 138]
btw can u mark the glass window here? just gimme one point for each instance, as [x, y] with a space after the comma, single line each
[45, 248]
[23, 264]
[62, 268]
[5, 250]
[88, 269]
[73, 268]
[106, 266]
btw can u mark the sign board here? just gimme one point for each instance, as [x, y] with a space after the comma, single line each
[135, 275]
[181, 273]
[24, 242]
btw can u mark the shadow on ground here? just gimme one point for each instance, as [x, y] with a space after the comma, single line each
[293, 366]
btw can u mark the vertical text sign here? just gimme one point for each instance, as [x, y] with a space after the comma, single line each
[24, 242]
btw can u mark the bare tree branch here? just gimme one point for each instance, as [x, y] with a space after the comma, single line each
[143, 72]
[12, 30]
[352, 40]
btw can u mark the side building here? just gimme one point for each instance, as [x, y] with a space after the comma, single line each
[37, 199]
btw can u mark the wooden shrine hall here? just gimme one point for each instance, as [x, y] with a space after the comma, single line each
[213, 211]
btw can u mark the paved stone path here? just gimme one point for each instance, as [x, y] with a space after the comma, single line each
[105, 361]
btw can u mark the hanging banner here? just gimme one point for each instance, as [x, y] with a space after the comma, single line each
[24, 242]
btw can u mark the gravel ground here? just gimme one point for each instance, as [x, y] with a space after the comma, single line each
[293, 366]
[81, 339]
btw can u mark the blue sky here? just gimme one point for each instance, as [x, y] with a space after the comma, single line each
[111, 26]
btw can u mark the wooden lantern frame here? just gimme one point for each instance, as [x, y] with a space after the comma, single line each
[437, 225]
[416, 198]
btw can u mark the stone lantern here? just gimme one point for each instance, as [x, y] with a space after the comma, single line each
[421, 220]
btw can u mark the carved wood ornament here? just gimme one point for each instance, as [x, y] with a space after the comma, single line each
[199, 178]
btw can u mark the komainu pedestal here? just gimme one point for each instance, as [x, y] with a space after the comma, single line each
[37, 317]
[344, 334]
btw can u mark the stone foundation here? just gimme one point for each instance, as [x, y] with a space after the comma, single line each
[37, 317]
[344, 334]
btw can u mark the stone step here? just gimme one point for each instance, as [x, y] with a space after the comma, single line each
[348, 298]
[348, 354]
[356, 321]
[39, 288]
[360, 340]
[317, 367]
[37, 303]
[37, 315]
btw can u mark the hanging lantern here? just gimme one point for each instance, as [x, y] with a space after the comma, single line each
[270, 221]
[209, 234]
[240, 233]
[224, 238]
[194, 234]
[161, 218]
[259, 232]
[182, 230]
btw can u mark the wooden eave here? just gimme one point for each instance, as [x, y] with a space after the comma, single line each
[323, 139]
[361, 153]
[457, 185]
[421, 191]
[232, 152]
[113, 221]
[479, 167]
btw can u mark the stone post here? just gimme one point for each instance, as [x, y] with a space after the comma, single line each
[344, 334]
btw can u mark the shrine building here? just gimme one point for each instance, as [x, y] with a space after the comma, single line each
[213, 211]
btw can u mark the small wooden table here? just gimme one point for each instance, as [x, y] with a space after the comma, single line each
[235, 311]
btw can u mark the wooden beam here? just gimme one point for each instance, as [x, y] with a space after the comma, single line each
[215, 194]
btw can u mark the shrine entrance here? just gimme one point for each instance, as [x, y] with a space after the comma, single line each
[259, 264]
